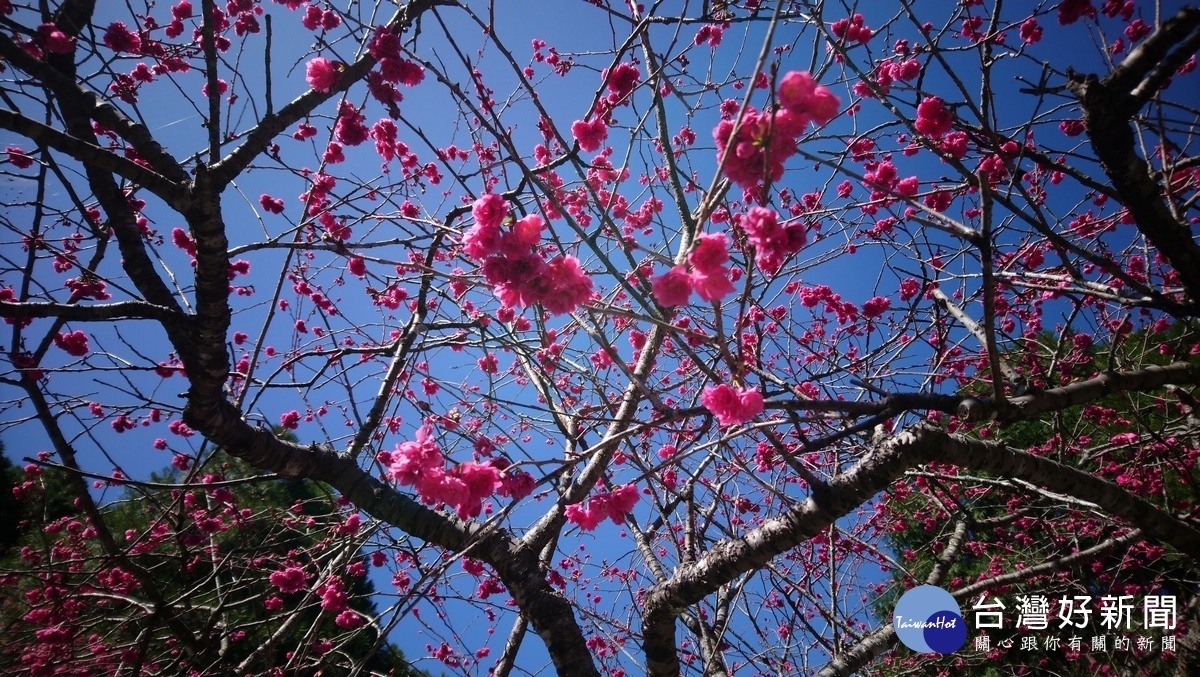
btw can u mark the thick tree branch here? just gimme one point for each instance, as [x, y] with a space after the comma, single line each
[733, 557]
[1057, 399]
[878, 469]
[1108, 104]
[1149, 65]
[90, 154]
[547, 610]
[996, 458]
[88, 104]
[91, 313]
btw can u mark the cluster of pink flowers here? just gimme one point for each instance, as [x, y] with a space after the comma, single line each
[614, 505]
[289, 579]
[732, 406]
[765, 140]
[875, 306]
[181, 11]
[74, 343]
[513, 266]
[852, 29]
[350, 128]
[273, 205]
[772, 242]
[933, 120]
[620, 82]
[1030, 31]
[708, 277]
[54, 40]
[885, 74]
[1070, 11]
[314, 18]
[393, 68]
[119, 38]
[420, 464]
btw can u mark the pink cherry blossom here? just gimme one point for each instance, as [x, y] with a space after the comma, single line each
[772, 241]
[875, 307]
[590, 134]
[411, 459]
[713, 286]
[933, 120]
[490, 210]
[801, 95]
[731, 406]
[18, 157]
[564, 286]
[288, 580]
[673, 287]
[54, 40]
[710, 252]
[323, 74]
[119, 38]
[585, 519]
[75, 343]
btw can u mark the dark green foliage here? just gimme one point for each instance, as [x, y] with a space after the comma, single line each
[1144, 444]
[206, 541]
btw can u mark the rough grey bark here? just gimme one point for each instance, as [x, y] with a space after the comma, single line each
[1108, 105]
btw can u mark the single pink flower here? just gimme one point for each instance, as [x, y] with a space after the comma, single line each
[590, 135]
[55, 40]
[673, 287]
[730, 406]
[18, 157]
[490, 210]
[710, 252]
[712, 287]
[323, 74]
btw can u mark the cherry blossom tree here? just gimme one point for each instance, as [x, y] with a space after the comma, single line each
[670, 332]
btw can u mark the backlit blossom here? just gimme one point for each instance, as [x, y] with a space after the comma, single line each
[18, 157]
[731, 406]
[590, 134]
[119, 38]
[933, 120]
[712, 287]
[710, 252]
[55, 40]
[614, 505]
[74, 343]
[801, 95]
[322, 74]
[673, 287]
[772, 241]
[875, 307]
[490, 210]
[1030, 31]
[564, 285]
